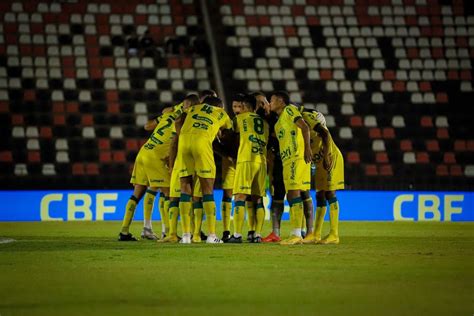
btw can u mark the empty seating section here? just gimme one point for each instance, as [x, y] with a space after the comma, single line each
[72, 101]
[393, 77]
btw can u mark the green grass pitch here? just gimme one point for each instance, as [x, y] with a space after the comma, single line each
[384, 268]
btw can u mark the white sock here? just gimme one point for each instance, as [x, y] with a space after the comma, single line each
[237, 235]
[163, 228]
[187, 235]
[148, 223]
[212, 236]
[297, 232]
[276, 231]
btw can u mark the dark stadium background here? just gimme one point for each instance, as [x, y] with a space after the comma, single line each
[393, 78]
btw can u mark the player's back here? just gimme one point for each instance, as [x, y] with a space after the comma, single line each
[253, 132]
[289, 136]
[203, 120]
[163, 132]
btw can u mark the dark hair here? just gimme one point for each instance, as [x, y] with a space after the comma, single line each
[214, 101]
[250, 101]
[239, 97]
[192, 98]
[283, 95]
[257, 94]
[206, 93]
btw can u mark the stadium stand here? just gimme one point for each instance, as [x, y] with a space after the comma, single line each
[73, 102]
[393, 78]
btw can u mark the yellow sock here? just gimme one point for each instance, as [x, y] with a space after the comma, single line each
[148, 207]
[251, 215]
[319, 219]
[296, 215]
[173, 215]
[226, 211]
[239, 217]
[185, 210]
[129, 212]
[259, 219]
[334, 217]
[197, 218]
[164, 212]
[210, 209]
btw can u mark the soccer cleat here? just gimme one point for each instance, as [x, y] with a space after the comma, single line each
[271, 238]
[257, 240]
[293, 240]
[147, 233]
[203, 236]
[185, 240]
[126, 237]
[213, 240]
[311, 238]
[225, 236]
[169, 239]
[196, 239]
[329, 240]
[163, 235]
[250, 235]
[234, 240]
[303, 234]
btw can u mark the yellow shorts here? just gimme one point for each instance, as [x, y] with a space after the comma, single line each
[197, 157]
[175, 185]
[150, 169]
[228, 174]
[333, 179]
[297, 175]
[250, 178]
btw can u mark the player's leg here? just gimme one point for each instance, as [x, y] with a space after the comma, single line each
[335, 181]
[209, 205]
[250, 206]
[318, 219]
[198, 212]
[148, 203]
[186, 207]
[239, 218]
[333, 236]
[164, 211]
[296, 175]
[277, 206]
[228, 177]
[258, 191]
[308, 215]
[138, 192]
[198, 215]
[226, 211]
[173, 206]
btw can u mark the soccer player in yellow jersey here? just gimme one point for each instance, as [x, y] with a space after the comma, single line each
[251, 167]
[226, 149]
[175, 186]
[329, 177]
[201, 125]
[150, 170]
[295, 151]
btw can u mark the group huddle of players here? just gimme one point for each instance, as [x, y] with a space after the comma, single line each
[273, 138]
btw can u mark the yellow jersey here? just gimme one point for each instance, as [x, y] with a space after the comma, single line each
[163, 132]
[254, 133]
[314, 119]
[204, 120]
[290, 136]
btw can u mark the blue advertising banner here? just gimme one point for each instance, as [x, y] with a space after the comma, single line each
[354, 205]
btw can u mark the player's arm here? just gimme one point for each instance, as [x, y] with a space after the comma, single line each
[174, 142]
[326, 138]
[308, 155]
[152, 124]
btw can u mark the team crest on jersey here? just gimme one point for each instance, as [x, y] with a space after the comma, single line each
[289, 111]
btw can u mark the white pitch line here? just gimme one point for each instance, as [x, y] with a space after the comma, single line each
[6, 240]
